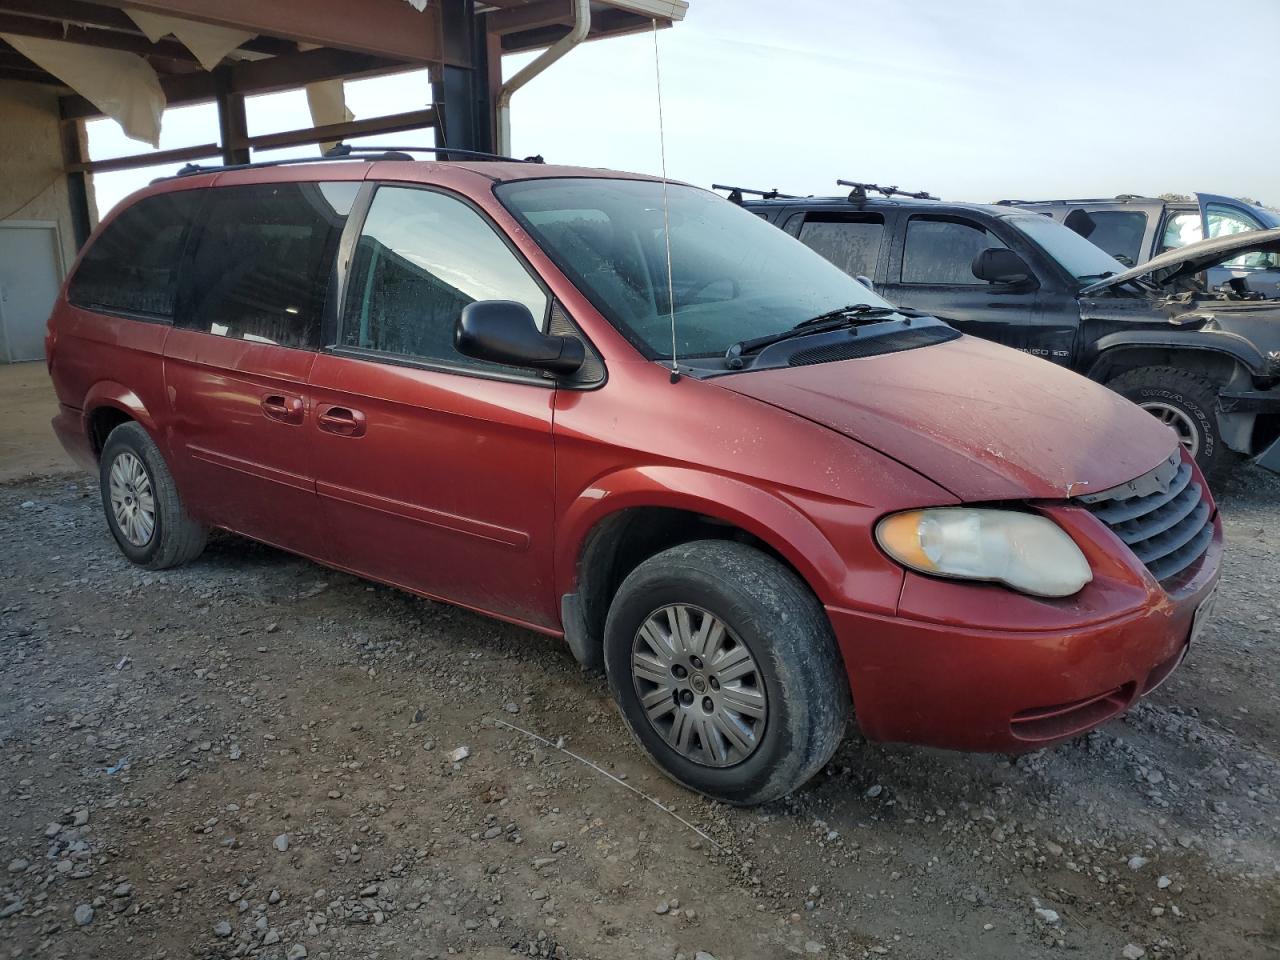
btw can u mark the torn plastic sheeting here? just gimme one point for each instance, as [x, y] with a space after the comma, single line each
[121, 85]
[328, 102]
[209, 43]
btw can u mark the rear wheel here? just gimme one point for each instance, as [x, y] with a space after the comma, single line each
[724, 666]
[145, 513]
[1185, 402]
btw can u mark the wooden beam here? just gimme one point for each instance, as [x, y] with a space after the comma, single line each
[395, 123]
[25, 75]
[93, 37]
[155, 158]
[540, 13]
[251, 77]
[390, 28]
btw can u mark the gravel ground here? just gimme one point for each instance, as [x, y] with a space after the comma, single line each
[256, 756]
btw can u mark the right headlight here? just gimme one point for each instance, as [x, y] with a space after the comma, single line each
[1021, 550]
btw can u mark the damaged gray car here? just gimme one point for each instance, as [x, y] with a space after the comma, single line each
[1223, 342]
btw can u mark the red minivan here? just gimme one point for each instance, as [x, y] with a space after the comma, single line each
[752, 492]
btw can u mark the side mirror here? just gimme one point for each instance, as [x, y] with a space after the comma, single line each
[866, 282]
[999, 265]
[503, 331]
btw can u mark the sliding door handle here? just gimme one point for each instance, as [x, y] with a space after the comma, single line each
[342, 421]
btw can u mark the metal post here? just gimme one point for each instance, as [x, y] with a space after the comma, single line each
[233, 125]
[461, 94]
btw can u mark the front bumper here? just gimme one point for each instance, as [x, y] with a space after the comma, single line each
[1011, 690]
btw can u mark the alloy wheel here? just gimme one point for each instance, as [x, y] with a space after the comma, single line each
[699, 685]
[1179, 421]
[133, 501]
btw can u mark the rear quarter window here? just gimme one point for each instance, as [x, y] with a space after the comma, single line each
[132, 266]
[261, 261]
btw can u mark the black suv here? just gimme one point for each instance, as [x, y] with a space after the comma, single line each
[1206, 361]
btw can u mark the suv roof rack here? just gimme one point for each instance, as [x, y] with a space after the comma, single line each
[1119, 196]
[343, 151]
[860, 191]
[735, 193]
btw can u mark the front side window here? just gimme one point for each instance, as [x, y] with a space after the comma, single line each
[421, 257]
[1079, 257]
[260, 267]
[132, 267]
[1181, 229]
[1118, 232]
[734, 276]
[850, 243]
[1224, 222]
[942, 251]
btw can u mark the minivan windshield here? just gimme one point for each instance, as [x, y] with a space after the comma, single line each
[734, 276]
[1076, 255]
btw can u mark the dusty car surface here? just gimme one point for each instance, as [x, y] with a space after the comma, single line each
[1204, 360]
[1133, 229]
[751, 490]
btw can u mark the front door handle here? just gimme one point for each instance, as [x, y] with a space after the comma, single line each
[282, 407]
[342, 421]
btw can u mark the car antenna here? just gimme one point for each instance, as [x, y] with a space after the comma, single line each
[666, 215]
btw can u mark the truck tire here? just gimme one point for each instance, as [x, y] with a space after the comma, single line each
[1187, 403]
[724, 666]
[144, 511]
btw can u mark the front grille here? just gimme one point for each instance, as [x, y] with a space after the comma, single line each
[874, 346]
[1164, 517]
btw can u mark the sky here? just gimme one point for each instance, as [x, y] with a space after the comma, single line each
[968, 99]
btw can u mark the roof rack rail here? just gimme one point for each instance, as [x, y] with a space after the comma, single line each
[735, 193]
[343, 151]
[860, 191]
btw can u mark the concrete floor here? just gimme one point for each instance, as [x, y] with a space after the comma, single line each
[28, 447]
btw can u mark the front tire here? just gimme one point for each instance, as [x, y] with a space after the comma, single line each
[144, 511]
[723, 664]
[1187, 403]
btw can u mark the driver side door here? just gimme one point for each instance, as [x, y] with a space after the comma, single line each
[434, 471]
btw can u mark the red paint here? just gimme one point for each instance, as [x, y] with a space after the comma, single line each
[483, 492]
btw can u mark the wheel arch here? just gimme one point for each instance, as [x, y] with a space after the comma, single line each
[109, 404]
[628, 516]
[1233, 359]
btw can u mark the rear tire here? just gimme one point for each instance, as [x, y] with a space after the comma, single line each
[780, 710]
[144, 511]
[1186, 402]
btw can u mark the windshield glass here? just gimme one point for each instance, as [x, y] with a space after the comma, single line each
[735, 277]
[1074, 253]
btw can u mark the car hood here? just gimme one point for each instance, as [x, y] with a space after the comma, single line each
[1194, 257]
[981, 420]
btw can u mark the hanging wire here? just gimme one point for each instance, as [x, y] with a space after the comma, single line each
[666, 216]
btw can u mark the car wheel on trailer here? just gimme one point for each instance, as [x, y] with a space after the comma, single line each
[725, 668]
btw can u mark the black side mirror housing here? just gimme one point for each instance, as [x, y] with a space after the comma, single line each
[503, 331]
[1000, 265]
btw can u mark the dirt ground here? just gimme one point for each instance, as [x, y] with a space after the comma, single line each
[27, 445]
[254, 755]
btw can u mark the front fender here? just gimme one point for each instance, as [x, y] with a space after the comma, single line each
[854, 576]
[1220, 342]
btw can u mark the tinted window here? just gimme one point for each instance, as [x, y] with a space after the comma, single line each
[1119, 232]
[423, 256]
[942, 251]
[133, 264]
[852, 245]
[260, 267]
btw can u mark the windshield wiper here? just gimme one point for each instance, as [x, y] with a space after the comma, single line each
[847, 316]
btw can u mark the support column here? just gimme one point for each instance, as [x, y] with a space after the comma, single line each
[233, 125]
[74, 152]
[462, 95]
